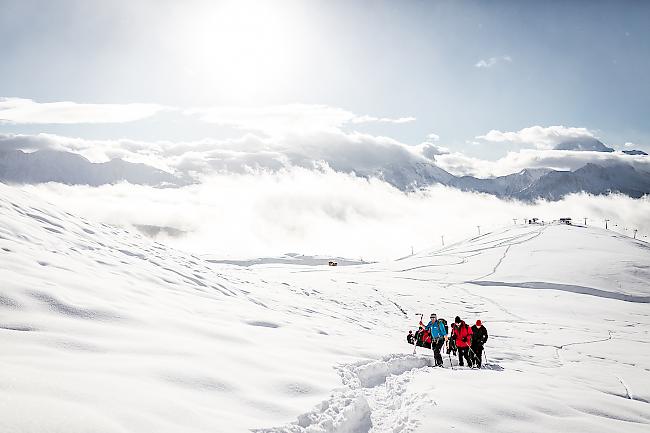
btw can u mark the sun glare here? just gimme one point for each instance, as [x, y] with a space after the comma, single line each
[243, 47]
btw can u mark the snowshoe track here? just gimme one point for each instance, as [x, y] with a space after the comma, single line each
[374, 399]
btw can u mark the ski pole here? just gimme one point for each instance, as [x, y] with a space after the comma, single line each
[415, 340]
[472, 353]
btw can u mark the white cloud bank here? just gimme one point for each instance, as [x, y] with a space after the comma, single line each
[538, 136]
[322, 212]
[271, 120]
[460, 164]
[264, 195]
[363, 154]
[280, 120]
[19, 110]
[302, 135]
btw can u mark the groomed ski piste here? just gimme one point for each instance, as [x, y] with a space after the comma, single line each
[103, 330]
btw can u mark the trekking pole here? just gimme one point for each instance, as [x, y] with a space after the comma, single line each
[415, 340]
[485, 355]
[472, 353]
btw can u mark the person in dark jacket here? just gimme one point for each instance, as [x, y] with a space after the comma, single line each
[463, 341]
[451, 343]
[479, 338]
[410, 338]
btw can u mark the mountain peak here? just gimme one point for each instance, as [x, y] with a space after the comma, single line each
[48, 165]
[635, 152]
[583, 144]
[535, 172]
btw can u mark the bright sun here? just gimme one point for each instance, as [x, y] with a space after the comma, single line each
[236, 49]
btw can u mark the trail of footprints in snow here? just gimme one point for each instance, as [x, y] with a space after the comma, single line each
[374, 397]
[372, 400]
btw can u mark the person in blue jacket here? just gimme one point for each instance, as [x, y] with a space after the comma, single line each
[438, 337]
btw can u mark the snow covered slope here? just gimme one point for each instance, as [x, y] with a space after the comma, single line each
[105, 331]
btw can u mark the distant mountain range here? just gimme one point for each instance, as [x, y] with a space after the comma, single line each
[69, 168]
[553, 185]
[529, 184]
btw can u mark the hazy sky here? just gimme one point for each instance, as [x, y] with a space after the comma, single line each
[460, 68]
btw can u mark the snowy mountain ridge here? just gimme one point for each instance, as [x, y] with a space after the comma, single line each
[70, 168]
[103, 330]
[529, 184]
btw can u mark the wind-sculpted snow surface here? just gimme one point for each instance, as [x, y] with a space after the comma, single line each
[103, 330]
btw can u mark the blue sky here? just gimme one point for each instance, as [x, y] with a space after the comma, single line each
[460, 68]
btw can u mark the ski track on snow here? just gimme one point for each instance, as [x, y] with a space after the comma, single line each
[526, 237]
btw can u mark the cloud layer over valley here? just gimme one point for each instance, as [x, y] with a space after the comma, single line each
[309, 179]
[362, 153]
[323, 212]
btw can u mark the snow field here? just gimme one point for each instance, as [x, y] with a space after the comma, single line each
[557, 359]
[103, 330]
[109, 323]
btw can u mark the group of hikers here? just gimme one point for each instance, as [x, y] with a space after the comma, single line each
[468, 342]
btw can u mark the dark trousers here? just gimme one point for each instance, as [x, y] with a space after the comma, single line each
[463, 352]
[436, 345]
[452, 346]
[478, 354]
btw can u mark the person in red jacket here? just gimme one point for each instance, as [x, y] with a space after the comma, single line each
[423, 338]
[426, 338]
[463, 341]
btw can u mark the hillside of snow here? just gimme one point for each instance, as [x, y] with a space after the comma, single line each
[103, 330]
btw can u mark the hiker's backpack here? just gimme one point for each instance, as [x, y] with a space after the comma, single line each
[444, 322]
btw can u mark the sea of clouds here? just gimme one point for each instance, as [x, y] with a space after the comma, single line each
[303, 178]
[324, 212]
